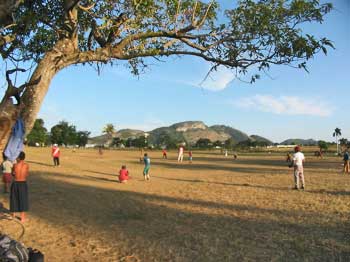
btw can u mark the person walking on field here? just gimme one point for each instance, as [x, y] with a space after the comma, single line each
[180, 156]
[56, 153]
[147, 162]
[346, 161]
[19, 190]
[6, 172]
[298, 164]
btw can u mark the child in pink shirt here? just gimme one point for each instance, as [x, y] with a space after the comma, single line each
[123, 175]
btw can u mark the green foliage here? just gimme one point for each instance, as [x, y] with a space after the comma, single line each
[337, 132]
[204, 143]
[229, 143]
[257, 33]
[218, 143]
[140, 142]
[66, 134]
[249, 144]
[323, 145]
[117, 141]
[343, 141]
[82, 138]
[38, 134]
[63, 133]
[109, 129]
[168, 141]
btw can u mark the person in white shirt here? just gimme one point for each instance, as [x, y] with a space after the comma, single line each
[298, 164]
[180, 155]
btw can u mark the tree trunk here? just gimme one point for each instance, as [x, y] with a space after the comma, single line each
[33, 96]
[8, 115]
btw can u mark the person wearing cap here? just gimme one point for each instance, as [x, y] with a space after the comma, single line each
[298, 164]
[56, 155]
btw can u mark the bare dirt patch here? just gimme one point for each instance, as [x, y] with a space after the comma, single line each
[215, 209]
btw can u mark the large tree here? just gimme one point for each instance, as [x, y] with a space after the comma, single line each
[38, 134]
[54, 34]
[109, 129]
[63, 134]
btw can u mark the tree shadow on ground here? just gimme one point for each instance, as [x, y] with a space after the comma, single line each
[200, 166]
[100, 173]
[335, 193]
[223, 183]
[39, 163]
[163, 228]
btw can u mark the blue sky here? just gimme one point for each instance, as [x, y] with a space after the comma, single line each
[289, 103]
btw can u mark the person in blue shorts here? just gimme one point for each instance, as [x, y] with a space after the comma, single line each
[147, 162]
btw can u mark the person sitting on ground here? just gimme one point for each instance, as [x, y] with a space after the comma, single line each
[6, 172]
[147, 162]
[19, 189]
[346, 161]
[123, 175]
[298, 164]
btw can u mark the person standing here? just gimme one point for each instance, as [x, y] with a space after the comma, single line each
[180, 156]
[346, 161]
[19, 190]
[298, 164]
[147, 162]
[56, 153]
[190, 156]
[164, 154]
[6, 172]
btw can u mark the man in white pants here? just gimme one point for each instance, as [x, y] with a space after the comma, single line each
[180, 154]
[298, 163]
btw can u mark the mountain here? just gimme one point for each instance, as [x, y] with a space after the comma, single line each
[298, 141]
[261, 139]
[129, 133]
[122, 134]
[189, 131]
[236, 134]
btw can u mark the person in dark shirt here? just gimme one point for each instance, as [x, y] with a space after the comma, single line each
[346, 161]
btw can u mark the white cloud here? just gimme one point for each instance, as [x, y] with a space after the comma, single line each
[287, 105]
[216, 81]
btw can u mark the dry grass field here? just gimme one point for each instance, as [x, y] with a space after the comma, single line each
[215, 209]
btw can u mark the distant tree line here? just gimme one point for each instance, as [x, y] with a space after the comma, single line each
[140, 142]
[63, 133]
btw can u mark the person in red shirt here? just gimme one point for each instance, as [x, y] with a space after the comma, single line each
[190, 156]
[56, 153]
[164, 154]
[123, 175]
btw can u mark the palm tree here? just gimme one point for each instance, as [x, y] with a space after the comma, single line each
[109, 129]
[336, 133]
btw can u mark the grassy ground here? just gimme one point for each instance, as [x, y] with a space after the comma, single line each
[215, 209]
